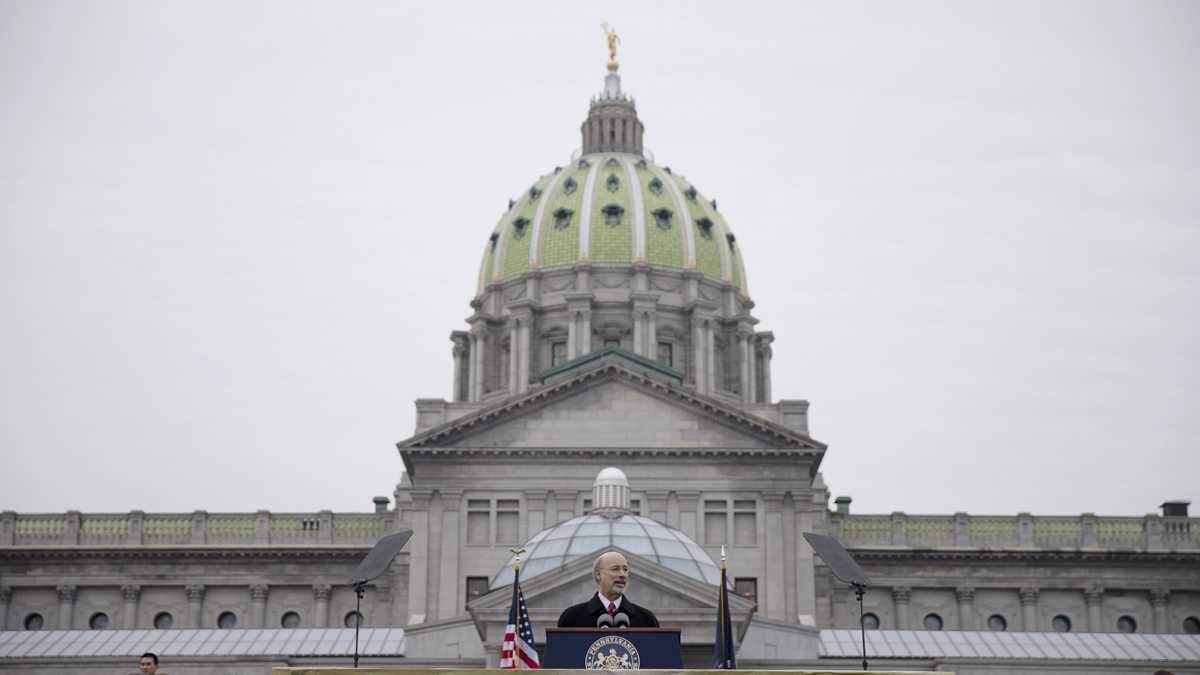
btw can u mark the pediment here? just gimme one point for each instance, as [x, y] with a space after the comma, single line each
[612, 406]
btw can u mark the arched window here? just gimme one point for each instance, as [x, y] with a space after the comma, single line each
[997, 623]
[34, 621]
[1191, 625]
[227, 620]
[353, 619]
[933, 622]
[662, 218]
[1126, 624]
[164, 621]
[612, 214]
[99, 621]
[562, 218]
[1061, 624]
[870, 621]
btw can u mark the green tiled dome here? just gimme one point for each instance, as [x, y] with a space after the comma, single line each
[612, 207]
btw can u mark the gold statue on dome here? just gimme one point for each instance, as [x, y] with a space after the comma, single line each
[613, 41]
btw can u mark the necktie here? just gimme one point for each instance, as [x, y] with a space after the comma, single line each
[612, 608]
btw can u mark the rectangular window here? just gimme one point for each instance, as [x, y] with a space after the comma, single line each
[664, 354]
[587, 505]
[476, 587]
[508, 517]
[635, 505]
[558, 354]
[479, 512]
[747, 587]
[714, 522]
[745, 522]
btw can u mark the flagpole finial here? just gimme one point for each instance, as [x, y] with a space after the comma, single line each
[722, 554]
[516, 557]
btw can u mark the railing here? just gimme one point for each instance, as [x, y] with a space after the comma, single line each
[1022, 531]
[192, 529]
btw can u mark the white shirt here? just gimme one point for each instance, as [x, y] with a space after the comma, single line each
[604, 601]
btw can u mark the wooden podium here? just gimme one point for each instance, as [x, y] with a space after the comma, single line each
[613, 648]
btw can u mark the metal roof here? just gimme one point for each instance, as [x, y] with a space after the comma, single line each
[24, 644]
[913, 644]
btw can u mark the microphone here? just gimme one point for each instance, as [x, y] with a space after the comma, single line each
[621, 619]
[606, 621]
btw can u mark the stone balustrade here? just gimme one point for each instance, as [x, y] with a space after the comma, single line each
[1086, 531]
[199, 528]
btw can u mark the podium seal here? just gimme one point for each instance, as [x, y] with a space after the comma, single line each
[612, 652]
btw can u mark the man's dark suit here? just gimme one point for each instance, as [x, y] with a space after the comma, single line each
[584, 614]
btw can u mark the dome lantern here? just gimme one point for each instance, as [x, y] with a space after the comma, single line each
[610, 493]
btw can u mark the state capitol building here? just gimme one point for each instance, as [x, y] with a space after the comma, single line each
[613, 375]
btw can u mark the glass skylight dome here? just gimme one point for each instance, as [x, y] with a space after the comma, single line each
[588, 536]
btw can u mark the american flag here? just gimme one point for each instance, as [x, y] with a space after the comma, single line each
[518, 650]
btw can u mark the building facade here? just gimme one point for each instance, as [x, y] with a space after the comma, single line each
[612, 326]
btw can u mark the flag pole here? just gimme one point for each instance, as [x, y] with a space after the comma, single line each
[516, 579]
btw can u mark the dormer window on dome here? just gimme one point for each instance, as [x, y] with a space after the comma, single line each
[583, 164]
[714, 205]
[562, 218]
[691, 193]
[655, 186]
[612, 183]
[705, 226]
[519, 226]
[612, 214]
[662, 218]
[731, 239]
[493, 239]
[534, 193]
[569, 186]
[612, 161]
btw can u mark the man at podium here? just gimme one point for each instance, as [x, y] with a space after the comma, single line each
[609, 606]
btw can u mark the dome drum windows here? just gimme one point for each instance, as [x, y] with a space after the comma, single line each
[562, 218]
[662, 218]
[612, 214]
[612, 183]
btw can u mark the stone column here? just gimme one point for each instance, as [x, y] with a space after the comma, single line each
[8, 528]
[900, 596]
[652, 335]
[639, 346]
[743, 343]
[585, 333]
[765, 339]
[1029, 609]
[5, 599]
[1093, 597]
[514, 358]
[966, 607]
[195, 605]
[699, 360]
[199, 527]
[773, 604]
[66, 606]
[321, 593]
[841, 609]
[572, 336]
[258, 605]
[709, 357]
[473, 368]
[459, 353]
[451, 594]
[1159, 599]
[899, 528]
[130, 595]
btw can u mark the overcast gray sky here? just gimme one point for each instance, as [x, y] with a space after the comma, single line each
[236, 235]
